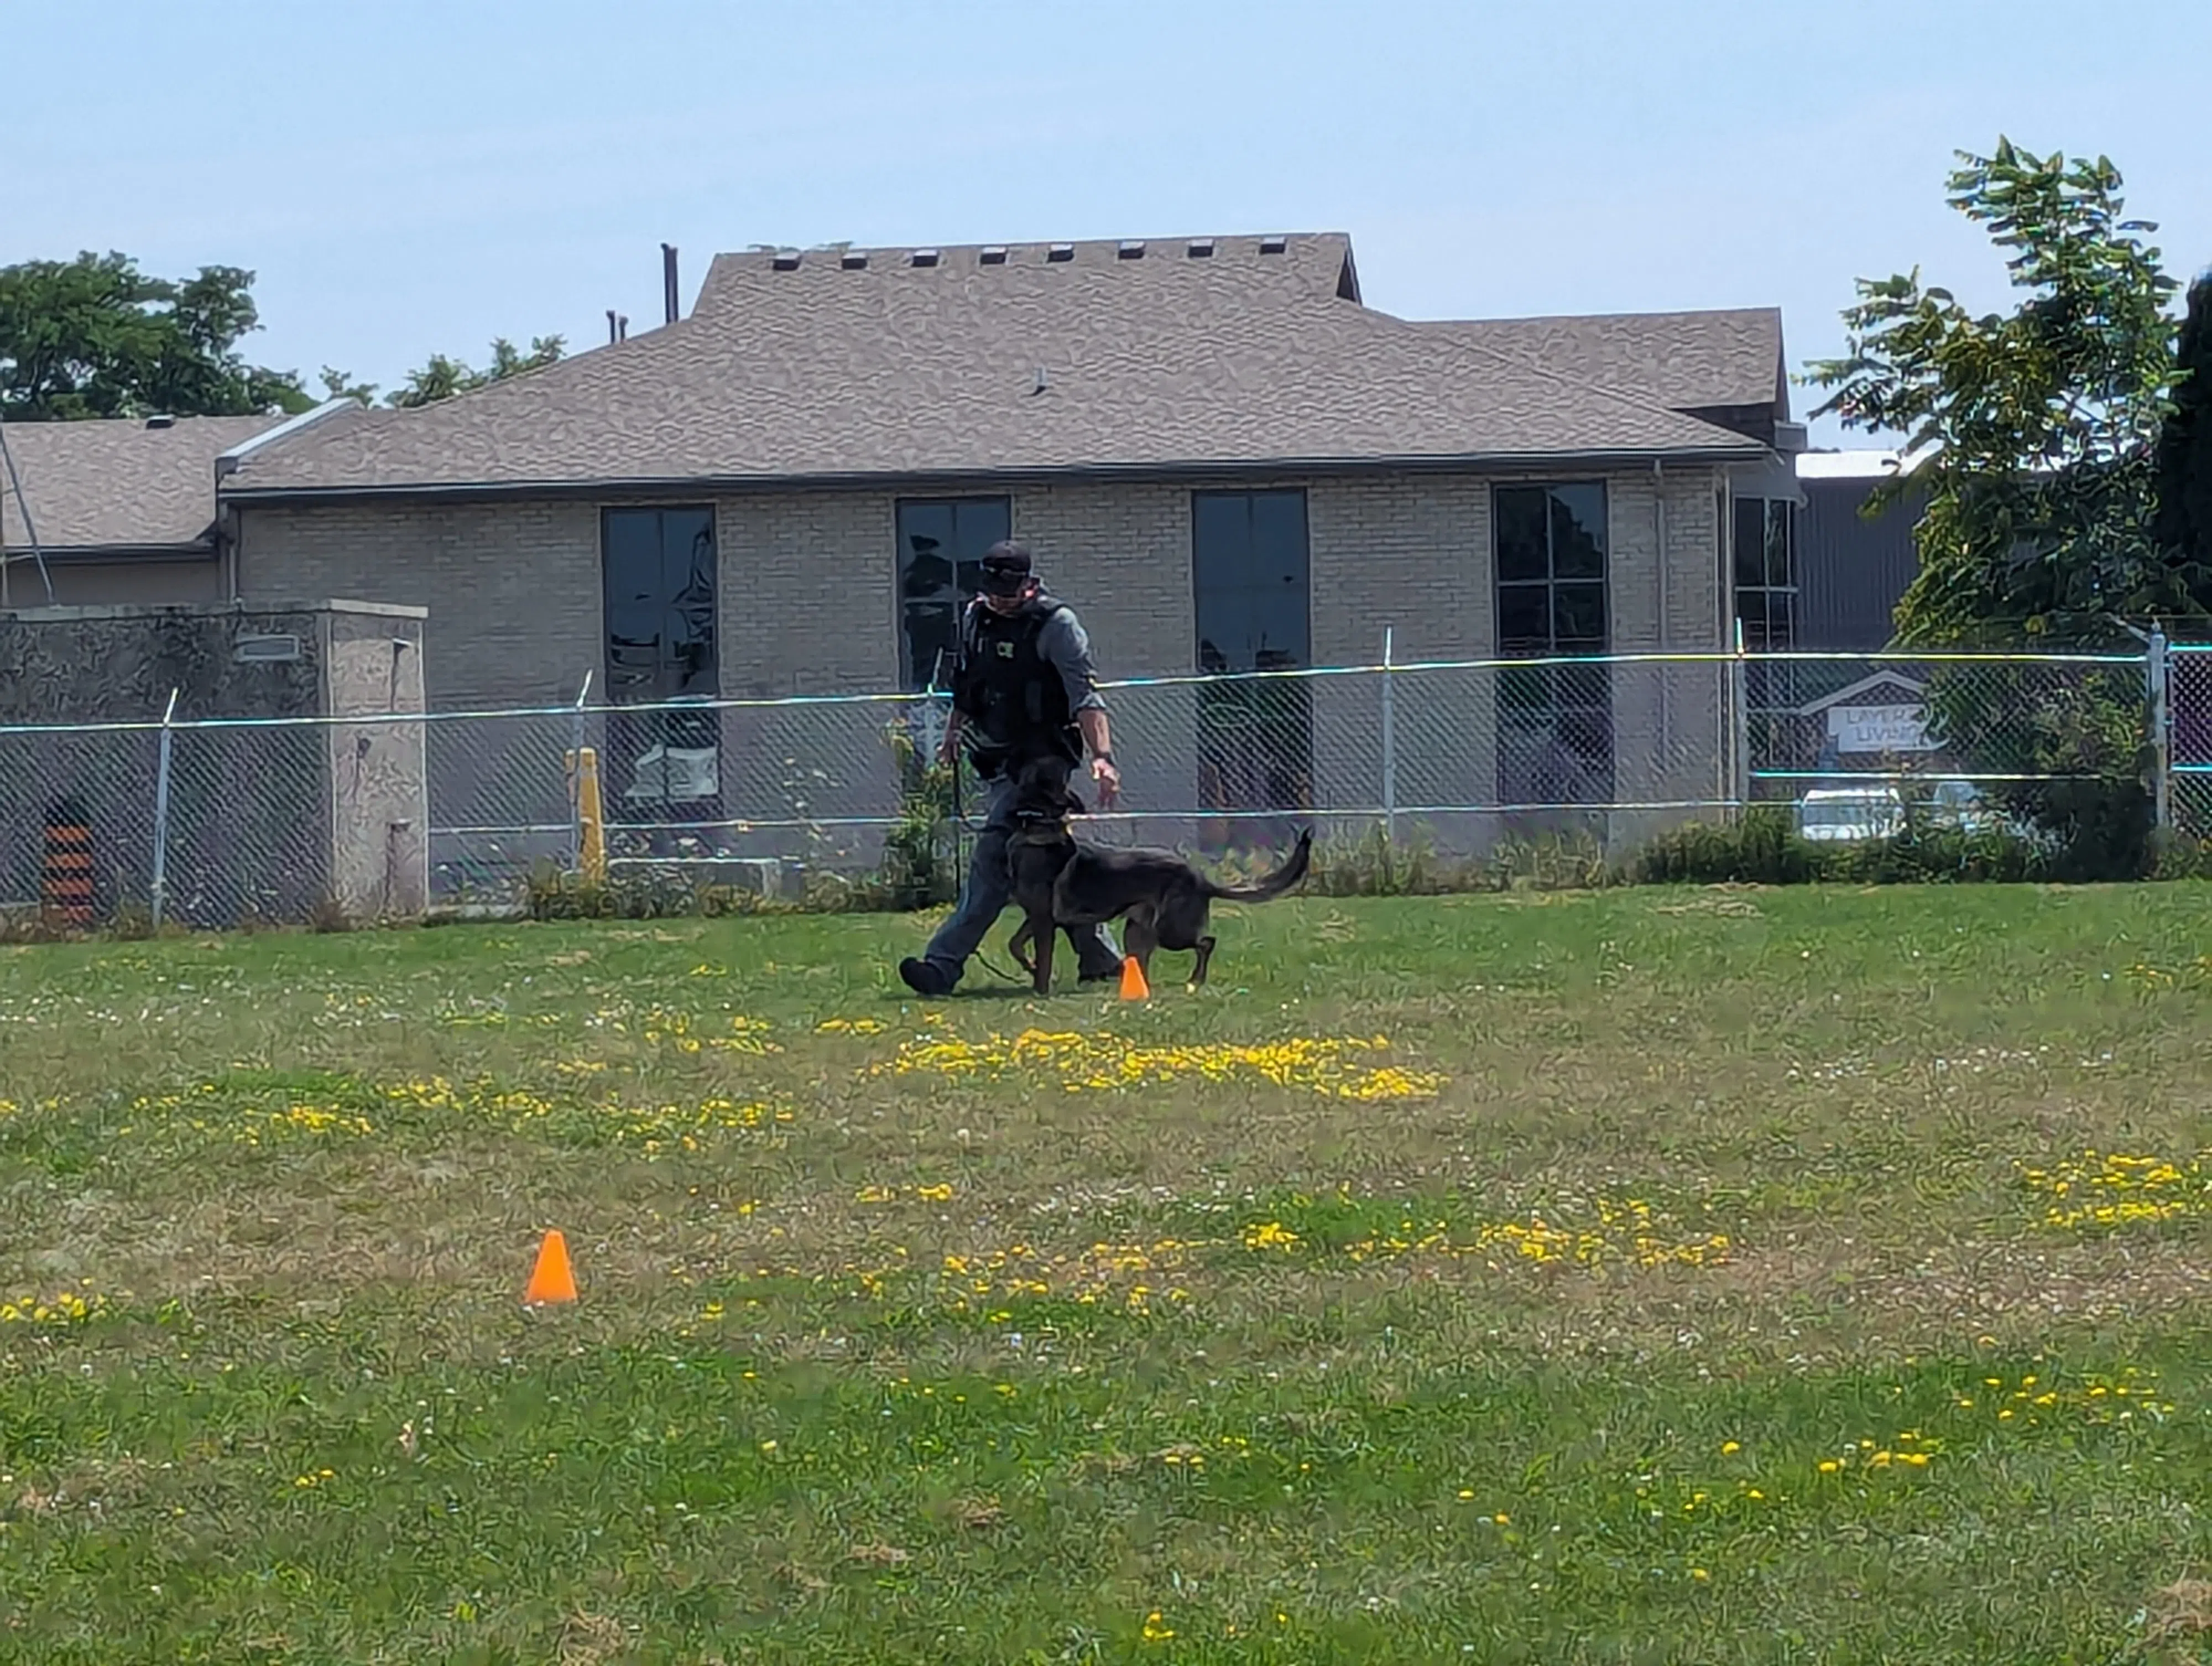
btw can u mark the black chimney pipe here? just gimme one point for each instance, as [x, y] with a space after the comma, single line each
[668, 280]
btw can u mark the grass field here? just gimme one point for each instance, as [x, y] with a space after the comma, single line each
[1683, 1276]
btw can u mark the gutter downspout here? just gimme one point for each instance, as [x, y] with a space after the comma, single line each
[230, 528]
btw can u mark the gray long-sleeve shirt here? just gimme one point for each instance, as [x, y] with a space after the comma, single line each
[1065, 646]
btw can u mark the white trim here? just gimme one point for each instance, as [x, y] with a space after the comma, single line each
[226, 463]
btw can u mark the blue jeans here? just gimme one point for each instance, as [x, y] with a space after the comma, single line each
[990, 888]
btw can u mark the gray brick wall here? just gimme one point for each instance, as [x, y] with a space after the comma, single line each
[512, 589]
[808, 606]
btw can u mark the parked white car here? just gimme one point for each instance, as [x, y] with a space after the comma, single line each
[1843, 815]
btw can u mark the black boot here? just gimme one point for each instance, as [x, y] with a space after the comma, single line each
[924, 977]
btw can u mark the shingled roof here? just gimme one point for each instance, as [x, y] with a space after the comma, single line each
[1722, 364]
[119, 487]
[1152, 356]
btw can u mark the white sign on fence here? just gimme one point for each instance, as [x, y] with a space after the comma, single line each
[1880, 728]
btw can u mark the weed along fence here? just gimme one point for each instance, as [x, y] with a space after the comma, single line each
[209, 818]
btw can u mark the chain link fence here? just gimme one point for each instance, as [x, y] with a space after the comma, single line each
[1862, 744]
[211, 822]
[2189, 703]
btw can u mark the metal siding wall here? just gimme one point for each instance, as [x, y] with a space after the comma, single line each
[1852, 570]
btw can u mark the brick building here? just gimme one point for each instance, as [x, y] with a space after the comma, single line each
[1222, 455]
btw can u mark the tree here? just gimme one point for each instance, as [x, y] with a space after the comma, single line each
[2036, 431]
[442, 378]
[2035, 437]
[96, 336]
[2184, 449]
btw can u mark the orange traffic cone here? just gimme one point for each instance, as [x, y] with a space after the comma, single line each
[1133, 987]
[552, 1279]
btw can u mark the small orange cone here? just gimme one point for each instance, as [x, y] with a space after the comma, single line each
[551, 1279]
[1133, 987]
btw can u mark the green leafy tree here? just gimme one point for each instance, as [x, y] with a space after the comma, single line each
[2035, 434]
[97, 337]
[340, 384]
[442, 378]
[2036, 430]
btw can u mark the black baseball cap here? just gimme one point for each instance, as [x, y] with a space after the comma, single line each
[1007, 567]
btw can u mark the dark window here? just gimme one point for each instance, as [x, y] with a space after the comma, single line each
[941, 541]
[659, 572]
[1248, 569]
[1249, 576]
[660, 582]
[1554, 722]
[1766, 595]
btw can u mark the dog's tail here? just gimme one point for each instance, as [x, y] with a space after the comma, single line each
[1275, 884]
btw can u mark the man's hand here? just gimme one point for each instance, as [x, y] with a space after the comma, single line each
[1098, 741]
[1108, 779]
[948, 748]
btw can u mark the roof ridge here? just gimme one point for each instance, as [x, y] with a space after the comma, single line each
[769, 252]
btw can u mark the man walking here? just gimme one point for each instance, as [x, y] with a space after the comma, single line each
[1022, 692]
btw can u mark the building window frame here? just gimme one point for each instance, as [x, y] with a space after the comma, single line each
[702, 678]
[1255, 732]
[671, 756]
[927, 606]
[1550, 583]
[1763, 587]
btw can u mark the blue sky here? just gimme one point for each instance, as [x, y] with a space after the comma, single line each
[415, 176]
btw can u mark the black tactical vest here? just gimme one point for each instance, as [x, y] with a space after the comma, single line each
[1012, 695]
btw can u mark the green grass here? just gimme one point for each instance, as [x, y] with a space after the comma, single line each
[1650, 1275]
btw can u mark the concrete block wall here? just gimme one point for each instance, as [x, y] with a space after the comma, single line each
[380, 862]
[273, 818]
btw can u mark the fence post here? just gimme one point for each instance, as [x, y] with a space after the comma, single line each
[2158, 673]
[1390, 741]
[574, 779]
[160, 898]
[1740, 728]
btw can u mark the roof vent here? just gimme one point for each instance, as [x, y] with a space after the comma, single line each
[922, 258]
[1274, 245]
[1132, 249]
[995, 255]
[1200, 248]
[854, 261]
[161, 419]
[265, 650]
[1060, 252]
[787, 262]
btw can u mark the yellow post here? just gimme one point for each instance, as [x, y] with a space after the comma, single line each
[590, 817]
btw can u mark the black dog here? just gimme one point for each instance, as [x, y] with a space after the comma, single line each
[1058, 880]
